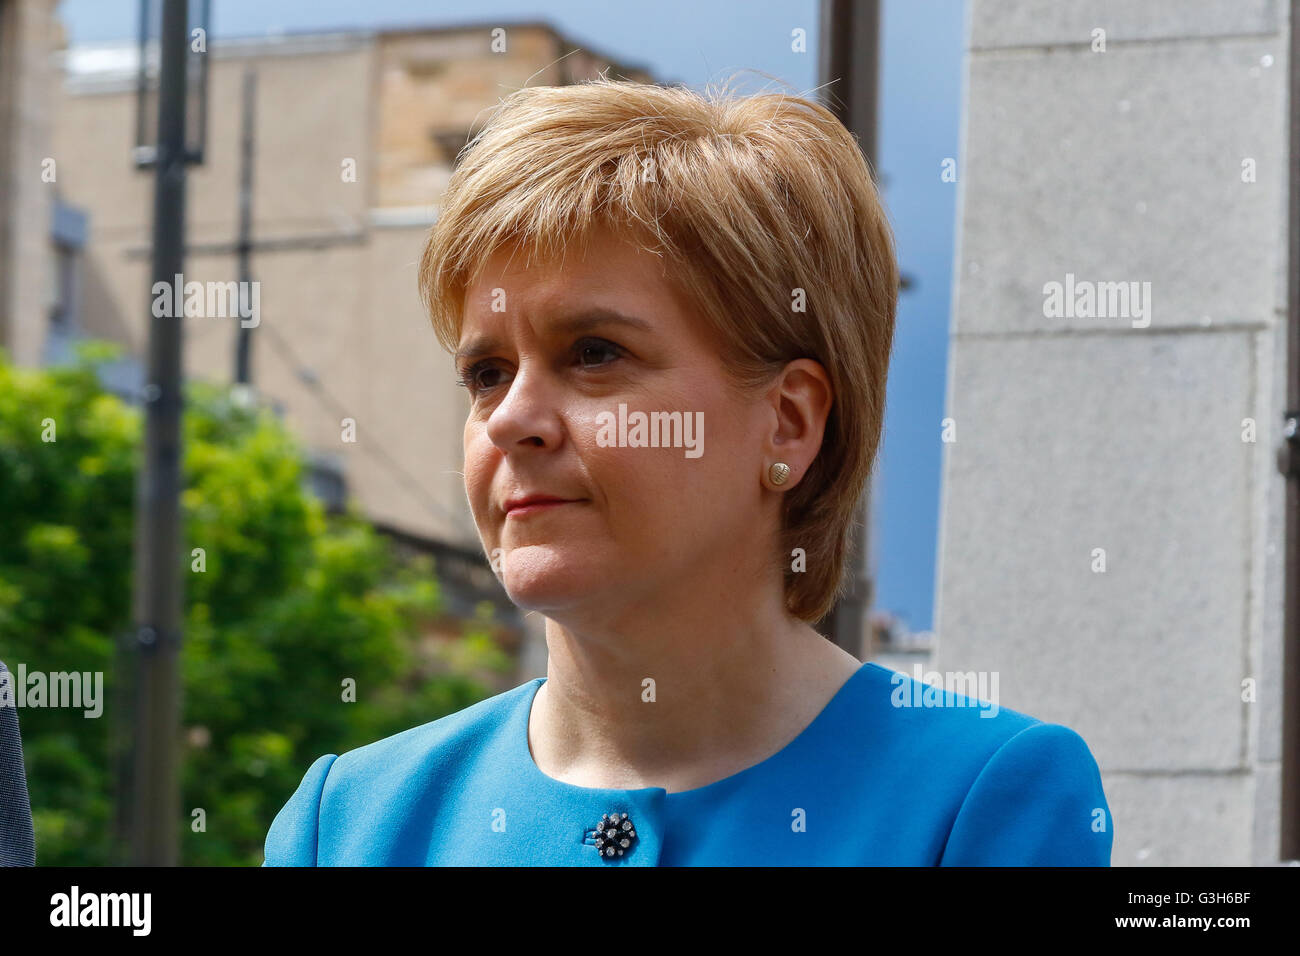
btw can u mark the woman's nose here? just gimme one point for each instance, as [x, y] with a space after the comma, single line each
[526, 415]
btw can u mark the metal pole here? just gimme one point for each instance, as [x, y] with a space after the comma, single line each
[850, 64]
[157, 611]
[245, 340]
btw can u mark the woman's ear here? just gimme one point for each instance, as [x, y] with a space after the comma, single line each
[801, 397]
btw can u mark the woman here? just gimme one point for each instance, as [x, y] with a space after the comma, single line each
[673, 315]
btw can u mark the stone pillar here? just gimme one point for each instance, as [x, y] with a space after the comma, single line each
[1111, 529]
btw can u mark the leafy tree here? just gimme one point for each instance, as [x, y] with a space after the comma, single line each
[283, 605]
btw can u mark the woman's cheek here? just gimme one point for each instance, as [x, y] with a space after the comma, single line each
[478, 489]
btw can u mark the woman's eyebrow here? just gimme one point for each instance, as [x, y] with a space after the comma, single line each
[588, 319]
[584, 320]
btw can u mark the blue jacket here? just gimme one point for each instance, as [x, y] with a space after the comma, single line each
[892, 772]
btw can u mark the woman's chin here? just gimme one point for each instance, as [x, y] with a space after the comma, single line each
[538, 579]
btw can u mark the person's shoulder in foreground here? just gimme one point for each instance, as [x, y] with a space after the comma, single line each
[930, 776]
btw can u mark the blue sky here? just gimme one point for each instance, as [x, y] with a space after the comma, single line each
[700, 41]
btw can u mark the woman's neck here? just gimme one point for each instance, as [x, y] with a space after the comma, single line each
[680, 699]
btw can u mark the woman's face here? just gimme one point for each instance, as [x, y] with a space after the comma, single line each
[550, 354]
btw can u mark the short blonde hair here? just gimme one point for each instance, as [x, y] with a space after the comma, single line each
[755, 202]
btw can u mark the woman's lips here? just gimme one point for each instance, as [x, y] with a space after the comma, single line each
[525, 508]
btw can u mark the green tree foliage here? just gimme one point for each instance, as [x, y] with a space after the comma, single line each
[289, 606]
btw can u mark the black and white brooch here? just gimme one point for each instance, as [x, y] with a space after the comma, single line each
[615, 835]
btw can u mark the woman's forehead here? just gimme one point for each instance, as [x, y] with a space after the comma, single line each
[593, 248]
[511, 278]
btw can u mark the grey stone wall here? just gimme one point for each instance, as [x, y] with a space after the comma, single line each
[1109, 542]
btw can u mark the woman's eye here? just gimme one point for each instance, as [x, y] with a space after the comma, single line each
[474, 379]
[593, 352]
[588, 353]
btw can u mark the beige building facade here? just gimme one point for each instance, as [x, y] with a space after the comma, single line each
[29, 34]
[355, 138]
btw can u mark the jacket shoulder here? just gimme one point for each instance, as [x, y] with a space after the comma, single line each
[963, 716]
[382, 773]
[1017, 791]
[445, 736]
[1038, 801]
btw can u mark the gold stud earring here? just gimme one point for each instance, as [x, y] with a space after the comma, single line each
[778, 473]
